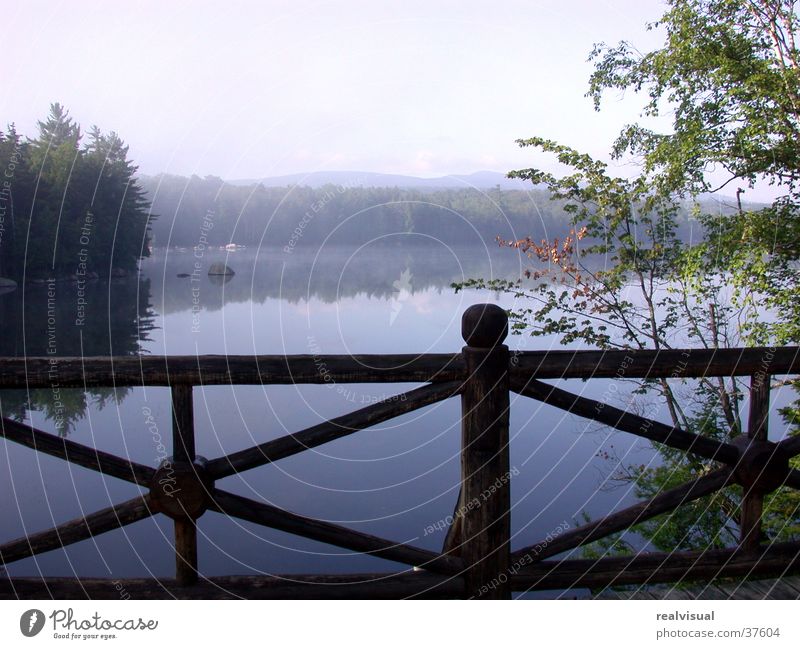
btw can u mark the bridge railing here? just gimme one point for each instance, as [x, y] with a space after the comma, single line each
[476, 559]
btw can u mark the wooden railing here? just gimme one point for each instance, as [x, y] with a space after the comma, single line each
[476, 559]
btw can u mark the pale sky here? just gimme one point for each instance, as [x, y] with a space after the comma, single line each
[254, 89]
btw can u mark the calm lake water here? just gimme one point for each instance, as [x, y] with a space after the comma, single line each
[393, 480]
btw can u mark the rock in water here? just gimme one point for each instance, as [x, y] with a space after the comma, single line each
[7, 285]
[218, 268]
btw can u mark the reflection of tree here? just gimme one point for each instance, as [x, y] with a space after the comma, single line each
[116, 316]
[336, 273]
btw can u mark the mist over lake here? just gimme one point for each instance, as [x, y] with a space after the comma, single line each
[397, 480]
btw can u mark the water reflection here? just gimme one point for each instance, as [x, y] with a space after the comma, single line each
[62, 318]
[115, 318]
[329, 275]
[395, 480]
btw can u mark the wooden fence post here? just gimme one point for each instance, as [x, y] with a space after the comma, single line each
[753, 497]
[485, 501]
[183, 455]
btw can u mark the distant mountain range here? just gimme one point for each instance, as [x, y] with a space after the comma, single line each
[481, 180]
[478, 179]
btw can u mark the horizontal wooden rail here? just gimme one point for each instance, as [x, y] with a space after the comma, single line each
[626, 421]
[279, 519]
[653, 364]
[402, 585]
[332, 429]
[76, 530]
[776, 560]
[84, 456]
[42, 372]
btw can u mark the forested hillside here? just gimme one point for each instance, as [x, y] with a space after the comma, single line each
[209, 211]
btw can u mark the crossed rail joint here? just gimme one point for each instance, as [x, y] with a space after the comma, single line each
[183, 488]
[477, 547]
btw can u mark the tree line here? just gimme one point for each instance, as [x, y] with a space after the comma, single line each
[69, 205]
[288, 217]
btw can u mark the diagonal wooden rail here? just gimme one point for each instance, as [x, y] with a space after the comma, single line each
[625, 421]
[84, 456]
[620, 521]
[331, 430]
[77, 530]
[476, 560]
[265, 514]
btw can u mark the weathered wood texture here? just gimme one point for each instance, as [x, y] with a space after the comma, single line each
[181, 490]
[76, 530]
[183, 444]
[120, 371]
[33, 372]
[485, 470]
[669, 363]
[331, 430]
[422, 585]
[183, 453]
[455, 533]
[622, 520]
[626, 421]
[185, 551]
[279, 519]
[780, 560]
[757, 430]
[776, 560]
[85, 456]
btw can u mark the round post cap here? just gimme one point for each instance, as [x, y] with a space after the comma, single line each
[484, 325]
